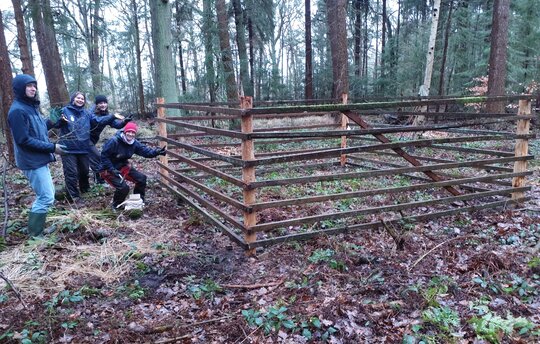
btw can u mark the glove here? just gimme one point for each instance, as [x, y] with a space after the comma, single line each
[128, 118]
[162, 151]
[60, 149]
[61, 121]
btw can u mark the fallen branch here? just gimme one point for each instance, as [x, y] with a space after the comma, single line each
[172, 340]
[161, 329]
[436, 247]
[14, 290]
[253, 286]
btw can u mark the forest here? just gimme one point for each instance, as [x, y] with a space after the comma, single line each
[380, 85]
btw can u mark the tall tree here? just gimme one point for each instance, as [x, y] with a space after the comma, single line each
[48, 52]
[208, 31]
[242, 49]
[165, 83]
[6, 95]
[140, 87]
[26, 57]
[179, 18]
[226, 54]
[309, 52]
[497, 55]
[337, 35]
[430, 56]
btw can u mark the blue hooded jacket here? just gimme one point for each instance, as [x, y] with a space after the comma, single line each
[28, 128]
[117, 152]
[75, 133]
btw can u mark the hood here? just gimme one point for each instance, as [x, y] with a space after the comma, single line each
[19, 86]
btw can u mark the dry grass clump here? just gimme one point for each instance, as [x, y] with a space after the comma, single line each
[52, 263]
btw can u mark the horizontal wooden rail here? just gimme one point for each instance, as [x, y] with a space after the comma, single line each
[379, 173]
[385, 104]
[364, 193]
[224, 229]
[204, 129]
[370, 148]
[216, 156]
[204, 202]
[378, 224]
[386, 208]
[212, 171]
[203, 188]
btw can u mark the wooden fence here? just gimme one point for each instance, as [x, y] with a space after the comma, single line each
[269, 174]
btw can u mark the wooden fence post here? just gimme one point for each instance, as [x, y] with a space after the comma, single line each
[344, 124]
[522, 146]
[248, 173]
[162, 131]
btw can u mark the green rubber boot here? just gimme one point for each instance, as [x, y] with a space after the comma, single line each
[36, 223]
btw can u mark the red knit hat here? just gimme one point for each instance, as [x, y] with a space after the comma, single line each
[131, 126]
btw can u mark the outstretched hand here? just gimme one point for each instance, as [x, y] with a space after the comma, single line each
[60, 149]
[162, 151]
[128, 118]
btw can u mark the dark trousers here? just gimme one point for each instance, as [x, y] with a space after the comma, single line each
[95, 161]
[127, 173]
[75, 168]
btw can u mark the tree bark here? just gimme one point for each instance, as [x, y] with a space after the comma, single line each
[207, 31]
[26, 57]
[337, 34]
[93, 50]
[309, 52]
[445, 47]
[497, 54]
[178, 18]
[226, 55]
[48, 52]
[140, 87]
[160, 13]
[6, 94]
[242, 50]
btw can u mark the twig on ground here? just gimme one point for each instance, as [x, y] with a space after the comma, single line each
[254, 286]
[172, 340]
[13, 288]
[161, 329]
[436, 247]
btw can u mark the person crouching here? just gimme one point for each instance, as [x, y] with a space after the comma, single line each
[115, 167]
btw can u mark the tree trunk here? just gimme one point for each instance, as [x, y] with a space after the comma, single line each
[207, 31]
[445, 47]
[358, 38]
[226, 55]
[178, 18]
[26, 57]
[242, 50]
[48, 51]
[140, 87]
[6, 94]
[337, 34]
[160, 12]
[424, 89]
[497, 55]
[309, 52]
[93, 50]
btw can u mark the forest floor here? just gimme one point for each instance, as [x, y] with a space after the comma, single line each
[168, 277]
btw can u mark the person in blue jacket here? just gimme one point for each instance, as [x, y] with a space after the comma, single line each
[101, 108]
[115, 166]
[74, 126]
[33, 150]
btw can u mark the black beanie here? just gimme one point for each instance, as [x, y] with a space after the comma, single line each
[101, 99]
